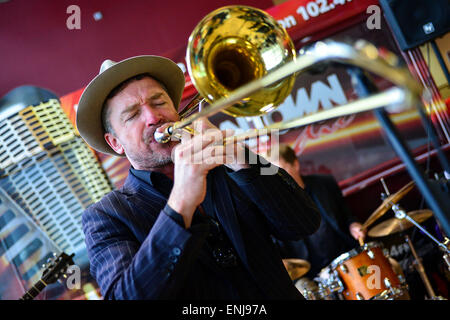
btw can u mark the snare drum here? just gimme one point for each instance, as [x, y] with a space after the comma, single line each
[365, 273]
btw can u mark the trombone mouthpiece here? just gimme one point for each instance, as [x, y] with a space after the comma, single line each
[163, 137]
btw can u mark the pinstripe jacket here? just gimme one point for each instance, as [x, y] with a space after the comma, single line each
[137, 251]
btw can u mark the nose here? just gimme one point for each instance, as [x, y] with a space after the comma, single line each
[151, 116]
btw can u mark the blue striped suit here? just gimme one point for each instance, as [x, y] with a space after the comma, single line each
[137, 251]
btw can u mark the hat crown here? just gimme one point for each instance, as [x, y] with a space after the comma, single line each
[88, 117]
[106, 64]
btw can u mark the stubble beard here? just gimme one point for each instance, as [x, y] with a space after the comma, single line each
[154, 155]
[150, 159]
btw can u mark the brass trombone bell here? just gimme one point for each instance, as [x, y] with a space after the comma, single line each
[405, 93]
[233, 46]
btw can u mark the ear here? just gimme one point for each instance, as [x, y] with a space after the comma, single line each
[114, 143]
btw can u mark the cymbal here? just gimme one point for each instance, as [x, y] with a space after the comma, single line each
[387, 204]
[395, 225]
[296, 267]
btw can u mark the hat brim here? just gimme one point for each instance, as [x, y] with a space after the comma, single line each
[89, 111]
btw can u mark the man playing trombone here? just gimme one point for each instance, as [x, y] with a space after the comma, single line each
[180, 228]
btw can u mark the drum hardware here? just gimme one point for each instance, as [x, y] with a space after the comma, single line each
[386, 190]
[326, 292]
[344, 268]
[421, 270]
[309, 289]
[329, 284]
[314, 290]
[390, 294]
[393, 292]
[370, 254]
[335, 284]
[395, 225]
[387, 283]
[391, 203]
[446, 254]
[401, 214]
[397, 268]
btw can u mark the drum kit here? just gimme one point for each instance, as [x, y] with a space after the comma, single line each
[368, 272]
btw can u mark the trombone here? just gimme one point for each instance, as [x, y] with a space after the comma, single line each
[244, 63]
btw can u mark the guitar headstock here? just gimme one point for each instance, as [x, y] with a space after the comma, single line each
[57, 267]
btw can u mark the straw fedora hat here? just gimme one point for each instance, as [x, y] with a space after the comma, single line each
[89, 111]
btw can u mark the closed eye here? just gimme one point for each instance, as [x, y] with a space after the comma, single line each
[158, 102]
[132, 116]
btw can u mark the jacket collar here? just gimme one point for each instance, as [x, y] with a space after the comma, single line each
[143, 195]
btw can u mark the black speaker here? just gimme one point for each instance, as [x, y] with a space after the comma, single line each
[414, 22]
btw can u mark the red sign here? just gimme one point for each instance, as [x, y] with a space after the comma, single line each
[302, 18]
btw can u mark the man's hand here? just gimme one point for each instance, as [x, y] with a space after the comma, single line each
[235, 151]
[356, 231]
[193, 158]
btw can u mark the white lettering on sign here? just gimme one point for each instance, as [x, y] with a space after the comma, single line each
[288, 22]
[397, 250]
[322, 94]
[318, 7]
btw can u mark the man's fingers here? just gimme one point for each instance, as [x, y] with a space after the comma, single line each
[163, 127]
[202, 140]
[211, 154]
[202, 125]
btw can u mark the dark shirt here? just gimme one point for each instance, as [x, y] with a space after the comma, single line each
[236, 279]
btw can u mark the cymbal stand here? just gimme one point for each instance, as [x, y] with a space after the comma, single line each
[385, 188]
[421, 270]
[446, 254]
[401, 214]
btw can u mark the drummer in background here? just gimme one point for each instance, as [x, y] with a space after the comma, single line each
[339, 229]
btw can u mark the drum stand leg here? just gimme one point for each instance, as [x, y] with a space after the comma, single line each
[421, 270]
[446, 254]
[401, 214]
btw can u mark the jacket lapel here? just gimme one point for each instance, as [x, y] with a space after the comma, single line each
[226, 213]
[146, 198]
